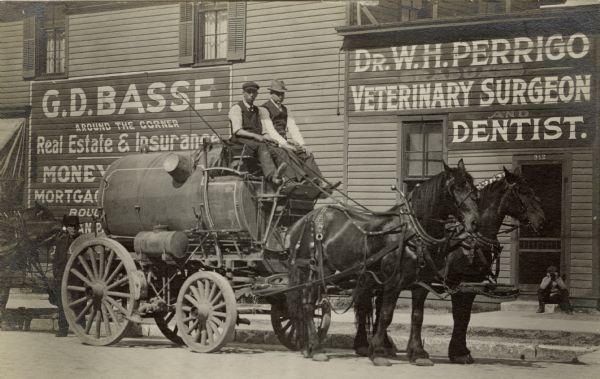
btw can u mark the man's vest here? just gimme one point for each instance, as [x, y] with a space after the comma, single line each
[250, 119]
[278, 116]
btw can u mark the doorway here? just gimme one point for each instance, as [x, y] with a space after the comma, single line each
[535, 252]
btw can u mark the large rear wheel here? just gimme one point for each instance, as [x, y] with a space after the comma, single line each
[206, 312]
[100, 291]
[286, 331]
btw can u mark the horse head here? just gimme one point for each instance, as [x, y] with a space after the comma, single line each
[462, 194]
[520, 201]
[39, 223]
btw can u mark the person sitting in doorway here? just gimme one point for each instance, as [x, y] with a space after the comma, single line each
[553, 290]
[246, 129]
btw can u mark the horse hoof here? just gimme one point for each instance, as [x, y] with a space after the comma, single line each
[362, 351]
[381, 361]
[320, 357]
[422, 362]
[463, 359]
[390, 353]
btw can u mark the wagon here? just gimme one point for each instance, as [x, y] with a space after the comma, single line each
[189, 238]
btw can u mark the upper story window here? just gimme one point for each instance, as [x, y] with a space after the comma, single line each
[374, 12]
[422, 151]
[44, 43]
[212, 31]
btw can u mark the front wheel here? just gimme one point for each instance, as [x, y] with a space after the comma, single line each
[206, 312]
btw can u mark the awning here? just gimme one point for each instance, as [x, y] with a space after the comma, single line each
[12, 147]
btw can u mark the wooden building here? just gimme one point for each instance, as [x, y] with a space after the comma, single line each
[495, 82]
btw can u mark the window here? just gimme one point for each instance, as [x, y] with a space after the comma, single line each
[212, 31]
[422, 151]
[367, 12]
[44, 43]
[54, 51]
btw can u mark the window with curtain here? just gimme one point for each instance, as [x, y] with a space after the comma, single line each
[423, 151]
[54, 50]
[212, 29]
[45, 42]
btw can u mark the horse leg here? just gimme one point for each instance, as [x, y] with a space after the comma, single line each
[462, 304]
[313, 348]
[415, 351]
[390, 347]
[363, 310]
[377, 348]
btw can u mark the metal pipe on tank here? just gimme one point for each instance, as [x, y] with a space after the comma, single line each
[179, 166]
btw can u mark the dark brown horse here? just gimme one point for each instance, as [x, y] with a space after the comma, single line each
[342, 239]
[22, 233]
[508, 195]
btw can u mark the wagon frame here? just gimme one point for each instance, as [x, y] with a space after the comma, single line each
[189, 281]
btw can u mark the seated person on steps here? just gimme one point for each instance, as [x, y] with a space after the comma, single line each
[246, 129]
[280, 125]
[553, 290]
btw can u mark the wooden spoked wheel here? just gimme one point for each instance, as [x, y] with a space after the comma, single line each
[285, 330]
[206, 312]
[98, 291]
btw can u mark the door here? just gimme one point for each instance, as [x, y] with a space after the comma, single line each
[535, 252]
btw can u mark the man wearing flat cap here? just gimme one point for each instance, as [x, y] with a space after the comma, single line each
[59, 263]
[246, 129]
[279, 123]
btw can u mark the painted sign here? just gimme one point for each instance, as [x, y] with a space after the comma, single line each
[80, 126]
[494, 90]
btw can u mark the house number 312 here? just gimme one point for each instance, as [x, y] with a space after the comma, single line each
[539, 157]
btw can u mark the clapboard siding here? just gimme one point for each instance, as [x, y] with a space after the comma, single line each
[137, 39]
[14, 91]
[297, 42]
[580, 259]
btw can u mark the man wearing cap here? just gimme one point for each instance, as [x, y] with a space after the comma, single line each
[553, 290]
[279, 123]
[246, 128]
[59, 263]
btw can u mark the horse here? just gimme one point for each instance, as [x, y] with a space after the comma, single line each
[507, 195]
[346, 240]
[22, 233]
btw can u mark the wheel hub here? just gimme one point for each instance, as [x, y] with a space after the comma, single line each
[95, 291]
[202, 311]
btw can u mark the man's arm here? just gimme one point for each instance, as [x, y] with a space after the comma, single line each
[545, 282]
[269, 128]
[561, 284]
[294, 131]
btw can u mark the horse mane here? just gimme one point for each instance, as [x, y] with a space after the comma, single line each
[423, 195]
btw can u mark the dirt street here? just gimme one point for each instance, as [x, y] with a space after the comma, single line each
[41, 355]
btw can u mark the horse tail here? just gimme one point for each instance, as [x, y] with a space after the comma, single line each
[297, 275]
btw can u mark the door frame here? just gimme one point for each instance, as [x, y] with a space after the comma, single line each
[542, 158]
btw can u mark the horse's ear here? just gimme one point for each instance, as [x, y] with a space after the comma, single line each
[461, 165]
[446, 167]
[509, 176]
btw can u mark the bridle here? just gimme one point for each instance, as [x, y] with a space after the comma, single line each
[513, 189]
